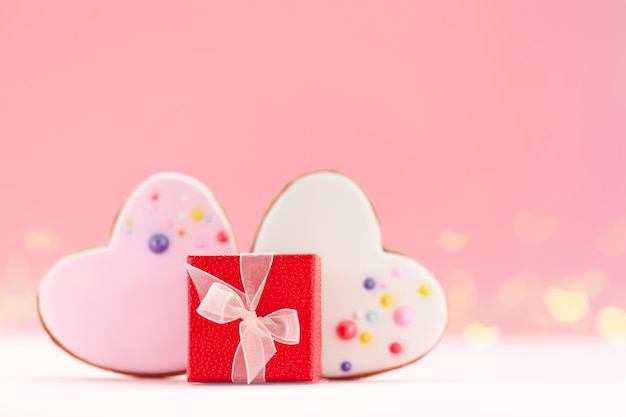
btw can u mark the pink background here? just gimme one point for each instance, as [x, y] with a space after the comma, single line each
[490, 136]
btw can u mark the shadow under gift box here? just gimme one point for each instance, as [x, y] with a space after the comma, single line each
[293, 282]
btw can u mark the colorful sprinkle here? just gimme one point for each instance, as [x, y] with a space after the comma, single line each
[181, 232]
[386, 300]
[397, 272]
[346, 366]
[395, 348]
[365, 337]
[197, 214]
[369, 283]
[202, 243]
[158, 243]
[129, 223]
[155, 196]
[129, 232]
[424, 290]
[208, 219]
[346, 329]
[382, 285]
[371, 316]
[403, 316]
[222, 237]
[358, 315]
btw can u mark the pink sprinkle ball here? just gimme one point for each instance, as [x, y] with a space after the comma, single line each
[398, 272]
[403, 316]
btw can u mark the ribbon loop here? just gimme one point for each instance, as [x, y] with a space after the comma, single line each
[222, 303]
[284, 326]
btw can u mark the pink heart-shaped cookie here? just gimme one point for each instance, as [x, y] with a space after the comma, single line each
[123, 307]
[380, 309]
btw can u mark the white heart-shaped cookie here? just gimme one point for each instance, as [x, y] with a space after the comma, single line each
[380, 309]
[123, 307]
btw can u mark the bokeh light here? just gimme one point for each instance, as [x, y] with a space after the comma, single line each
[611, 325]
[480, 337]
[566, 306]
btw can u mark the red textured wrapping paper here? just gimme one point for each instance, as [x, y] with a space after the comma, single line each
[294, 281]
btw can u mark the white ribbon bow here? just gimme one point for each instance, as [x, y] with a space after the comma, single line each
[223, 303]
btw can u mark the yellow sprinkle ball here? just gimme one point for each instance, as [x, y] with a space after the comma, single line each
[386, 300]
[197, 214]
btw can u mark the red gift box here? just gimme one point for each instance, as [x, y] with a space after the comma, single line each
[243, 307]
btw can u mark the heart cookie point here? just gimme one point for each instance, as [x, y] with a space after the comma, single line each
[396, 309]
[122, 307]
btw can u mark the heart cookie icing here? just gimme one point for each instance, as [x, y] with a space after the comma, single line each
[123, 307]
[380, 310]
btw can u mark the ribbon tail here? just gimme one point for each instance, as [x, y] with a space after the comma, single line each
[239, 371]
[253, 352]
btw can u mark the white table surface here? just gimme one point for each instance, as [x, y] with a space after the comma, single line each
[573, 376]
